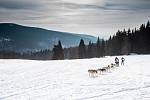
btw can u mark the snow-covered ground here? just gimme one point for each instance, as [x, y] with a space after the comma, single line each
[69, 79]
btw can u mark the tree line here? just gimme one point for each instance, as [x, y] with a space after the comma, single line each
[123, 42]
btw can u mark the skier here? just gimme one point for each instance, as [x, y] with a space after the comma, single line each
[122, 61]
[117, 61]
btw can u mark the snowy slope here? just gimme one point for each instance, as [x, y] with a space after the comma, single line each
[69, 80]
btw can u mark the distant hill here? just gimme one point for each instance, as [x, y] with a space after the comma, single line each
[22, 38]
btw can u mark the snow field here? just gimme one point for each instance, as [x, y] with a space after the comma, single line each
[69, 79]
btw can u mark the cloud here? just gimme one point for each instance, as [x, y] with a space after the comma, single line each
[82, 16]
[128, 4]
[18, 4]
[112, 5]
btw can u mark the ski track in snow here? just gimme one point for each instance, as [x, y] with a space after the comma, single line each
[69, 79]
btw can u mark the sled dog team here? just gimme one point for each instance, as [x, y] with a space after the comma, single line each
[95, 72]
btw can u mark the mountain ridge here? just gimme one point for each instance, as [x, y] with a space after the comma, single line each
[25, 38]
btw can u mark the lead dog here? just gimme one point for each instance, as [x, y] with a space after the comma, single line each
[113, 65]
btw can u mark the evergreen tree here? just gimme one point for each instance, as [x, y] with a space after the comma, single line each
[82, 49]
[98, 48]
[103, 48]
[58, 52]
[61, 52]
[148, 24]
[89, 51]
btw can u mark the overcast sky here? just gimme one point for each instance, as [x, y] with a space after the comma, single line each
[95, 17]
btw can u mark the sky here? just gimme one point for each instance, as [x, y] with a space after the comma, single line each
[94, 17]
